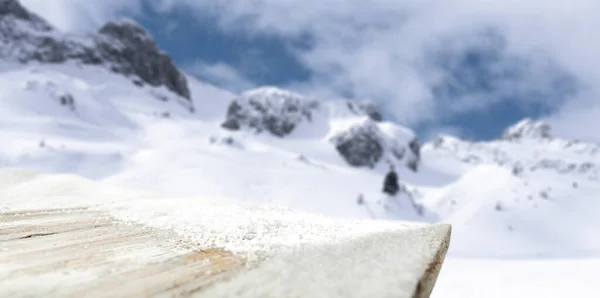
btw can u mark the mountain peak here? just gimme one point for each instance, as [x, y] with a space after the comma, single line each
[127, 30]
[271, 109]
[14, 9]
[132, 51]
[527, 128]
[271, 91]
[124, 47]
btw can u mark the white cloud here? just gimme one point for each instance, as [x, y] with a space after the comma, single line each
[221, 75]
[578, 119]
[378, 47]
[81, 15]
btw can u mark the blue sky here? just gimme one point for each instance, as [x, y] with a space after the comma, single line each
[462, 66]
[261, 59]
[269, 59]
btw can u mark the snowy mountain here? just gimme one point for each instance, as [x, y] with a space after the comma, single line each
[72, 115]
[123, 47]
[111, 106]
[354, 128]
[528, 189]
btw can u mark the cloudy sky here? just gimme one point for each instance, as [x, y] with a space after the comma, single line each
[467, 67]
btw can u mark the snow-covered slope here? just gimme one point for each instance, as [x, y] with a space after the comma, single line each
[526, 194]
[79, 119]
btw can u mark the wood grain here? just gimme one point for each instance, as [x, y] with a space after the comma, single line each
[84, 253]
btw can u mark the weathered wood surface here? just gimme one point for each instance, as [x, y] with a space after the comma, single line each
[82, 253]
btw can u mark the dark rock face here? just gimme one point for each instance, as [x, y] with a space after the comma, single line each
[415, 148]
[67, 100]
[360, 146]
[365, 145]
[273, 110]
[367, 108]
[14, 9]
[133, 52]
[124, 47]
[279, 111]
[226, 140]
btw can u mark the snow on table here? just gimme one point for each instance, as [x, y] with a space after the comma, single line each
[64, 236]
[79, 252]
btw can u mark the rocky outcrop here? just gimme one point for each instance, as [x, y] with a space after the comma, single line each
[123, 47]
[527, 128]
[365, 108]
[14, 9]
[415, 148]
[360, 145]
[269, 109]
[353, 108]
[131, 51]
[279, 111]
[365, 145]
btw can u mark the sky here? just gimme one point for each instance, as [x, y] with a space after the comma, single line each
[464, 67]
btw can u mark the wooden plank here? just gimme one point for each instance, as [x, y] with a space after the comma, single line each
[198, 269]
[85, 253]
[16, 216]
[76, 253]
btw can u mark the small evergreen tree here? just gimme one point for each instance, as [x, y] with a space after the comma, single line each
[390, 184]
[360, 200]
